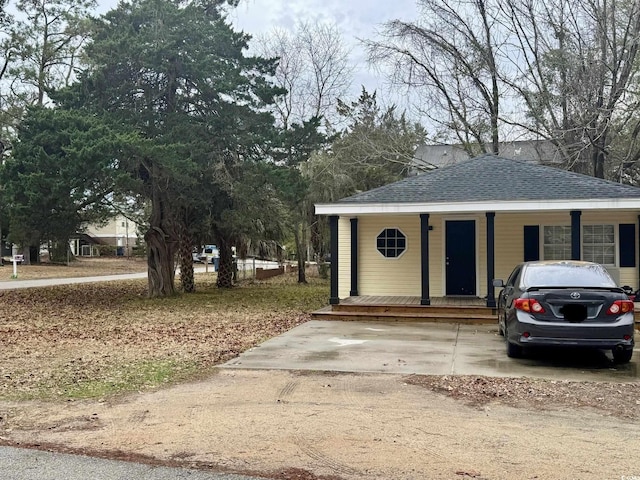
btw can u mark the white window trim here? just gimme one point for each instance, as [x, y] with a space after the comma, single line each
[542, 255]
[616, 228]
[616, 243]
[406, 243]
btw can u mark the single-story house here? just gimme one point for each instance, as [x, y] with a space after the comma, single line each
[451, 231]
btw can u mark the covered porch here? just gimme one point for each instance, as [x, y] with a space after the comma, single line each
[427, 243]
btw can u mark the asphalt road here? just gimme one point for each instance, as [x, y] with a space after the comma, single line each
[25, 464]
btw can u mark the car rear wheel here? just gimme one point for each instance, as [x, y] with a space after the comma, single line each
[622, 356]
[513, 349]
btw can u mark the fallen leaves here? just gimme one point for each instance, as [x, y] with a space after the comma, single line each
[618, 399]
[91, 340]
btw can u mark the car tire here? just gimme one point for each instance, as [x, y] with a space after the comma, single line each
[513, 349]
[622, 356]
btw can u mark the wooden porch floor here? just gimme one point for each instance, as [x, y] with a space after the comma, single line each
[469, 310]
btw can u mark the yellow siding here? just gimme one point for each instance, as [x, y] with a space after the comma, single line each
[436, 256]
[344, 257]
[389, 276]
[510, 244]
[509, 241]
[629, 276]
[401, 276]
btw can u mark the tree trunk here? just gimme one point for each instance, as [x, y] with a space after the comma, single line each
[34, 253]
[301, 247]
[598, 163]
[187, 282]
[26, 256]
[160, 241]
[225, 264]
[159, 263]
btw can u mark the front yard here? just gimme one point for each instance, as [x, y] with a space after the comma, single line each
[100, 339]
[97, 340]
[92, 340]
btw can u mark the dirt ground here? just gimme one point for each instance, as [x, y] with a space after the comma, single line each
[292, 425]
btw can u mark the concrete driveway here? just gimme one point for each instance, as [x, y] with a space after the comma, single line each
[423, 348]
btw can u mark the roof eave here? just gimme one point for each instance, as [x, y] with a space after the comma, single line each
[346, 208]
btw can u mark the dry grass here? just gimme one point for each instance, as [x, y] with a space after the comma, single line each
[94, 340]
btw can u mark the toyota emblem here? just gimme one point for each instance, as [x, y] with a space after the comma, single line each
[575, 295]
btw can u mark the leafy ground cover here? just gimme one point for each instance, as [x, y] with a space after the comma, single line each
[93, 340]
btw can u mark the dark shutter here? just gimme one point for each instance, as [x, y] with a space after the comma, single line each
[531, 243]
[627, 245]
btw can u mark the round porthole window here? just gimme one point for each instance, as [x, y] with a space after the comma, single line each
[391, 242]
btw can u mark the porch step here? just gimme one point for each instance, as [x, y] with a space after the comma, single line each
[416, 315]
[413, 309]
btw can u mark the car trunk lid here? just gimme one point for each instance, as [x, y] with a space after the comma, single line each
[575, 305]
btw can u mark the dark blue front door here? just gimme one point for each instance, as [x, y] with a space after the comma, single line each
[460, 259]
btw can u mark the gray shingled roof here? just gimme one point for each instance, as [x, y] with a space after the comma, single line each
[492, 178]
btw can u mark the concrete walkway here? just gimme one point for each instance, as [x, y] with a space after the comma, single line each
[49, 282]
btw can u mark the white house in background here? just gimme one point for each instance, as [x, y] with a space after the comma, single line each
[119, 232]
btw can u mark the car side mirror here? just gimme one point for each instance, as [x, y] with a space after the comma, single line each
[498, 283]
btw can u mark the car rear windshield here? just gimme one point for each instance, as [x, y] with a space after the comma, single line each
[567, 276]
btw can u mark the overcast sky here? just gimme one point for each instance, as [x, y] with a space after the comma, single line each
[355, 18]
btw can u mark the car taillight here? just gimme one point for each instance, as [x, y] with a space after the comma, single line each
[620, 306]
[530, 305]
